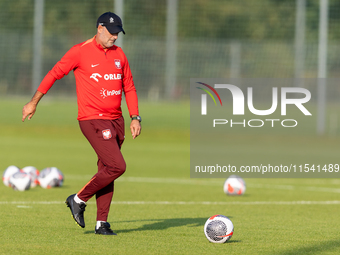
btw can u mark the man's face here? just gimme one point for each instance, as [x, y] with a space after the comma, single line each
[105, 38]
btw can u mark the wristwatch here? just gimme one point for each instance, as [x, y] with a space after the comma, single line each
[137, 118]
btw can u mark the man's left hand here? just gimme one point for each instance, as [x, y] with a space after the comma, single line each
[135, 128]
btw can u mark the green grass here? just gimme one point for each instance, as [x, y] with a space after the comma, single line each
[157, 208]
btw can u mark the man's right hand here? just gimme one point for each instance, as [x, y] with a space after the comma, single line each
[29, 108]
[28, 111]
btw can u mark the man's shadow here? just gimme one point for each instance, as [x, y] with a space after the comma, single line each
[157, 224]
[160, 224]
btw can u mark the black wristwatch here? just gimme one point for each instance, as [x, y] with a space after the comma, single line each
[137, 118]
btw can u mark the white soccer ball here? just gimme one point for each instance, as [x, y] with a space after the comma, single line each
[218, 229]
[234, 185]
[9, 171]
[33, 173]
[50, 177]
[20, 181]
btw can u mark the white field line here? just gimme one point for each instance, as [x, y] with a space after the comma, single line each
[214, 182]
[28, 204]
[220, 182]
[336, 202]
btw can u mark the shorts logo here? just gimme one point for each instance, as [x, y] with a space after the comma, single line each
[117, 63]
[107, 134]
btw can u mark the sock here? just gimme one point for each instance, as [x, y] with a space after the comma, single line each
[78, 200]
[98, 224]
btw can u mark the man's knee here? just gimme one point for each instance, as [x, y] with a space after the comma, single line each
[122, 167]
[118, 168]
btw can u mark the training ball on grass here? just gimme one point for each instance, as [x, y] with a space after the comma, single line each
[50, 177]
[33, 173]
[234, 185]
[20, 181]
[218, 229]
[9, 171]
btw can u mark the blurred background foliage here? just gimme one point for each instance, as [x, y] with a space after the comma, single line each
[207, 32]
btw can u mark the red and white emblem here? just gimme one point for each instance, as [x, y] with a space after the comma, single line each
[117, 63]
[107, 134]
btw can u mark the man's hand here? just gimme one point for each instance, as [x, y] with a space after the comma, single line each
[31, 106]
[28, 111]
[135, 128]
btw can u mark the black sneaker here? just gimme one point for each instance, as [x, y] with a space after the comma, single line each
[104, 229]
[77, 210]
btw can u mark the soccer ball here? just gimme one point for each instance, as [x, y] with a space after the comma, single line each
[50, 177]
[218, 229]
[7, 174]
[20, 181]
[234, 185]
[33, 173]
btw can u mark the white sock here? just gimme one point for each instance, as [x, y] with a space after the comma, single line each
[78, 200]
[98, 224]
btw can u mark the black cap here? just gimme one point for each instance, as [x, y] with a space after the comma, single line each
[112, 22]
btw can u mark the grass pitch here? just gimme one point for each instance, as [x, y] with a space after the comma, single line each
[157, 208]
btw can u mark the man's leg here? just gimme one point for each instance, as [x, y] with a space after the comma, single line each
[106, 138]
[104, 196]
[103, 199]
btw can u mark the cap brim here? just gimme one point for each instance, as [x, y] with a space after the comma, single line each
[115, 29]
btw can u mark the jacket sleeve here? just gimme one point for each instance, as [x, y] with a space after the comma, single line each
[67, 63]
[129, 88]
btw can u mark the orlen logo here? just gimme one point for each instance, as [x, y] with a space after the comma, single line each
[238, 103]
[95, 76]
[107, 77]
[107, 93]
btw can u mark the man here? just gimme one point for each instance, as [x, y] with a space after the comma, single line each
[102, 73]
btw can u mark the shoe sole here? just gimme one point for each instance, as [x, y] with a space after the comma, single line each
[114, 234]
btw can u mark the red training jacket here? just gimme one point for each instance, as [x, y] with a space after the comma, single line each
[101, 77]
